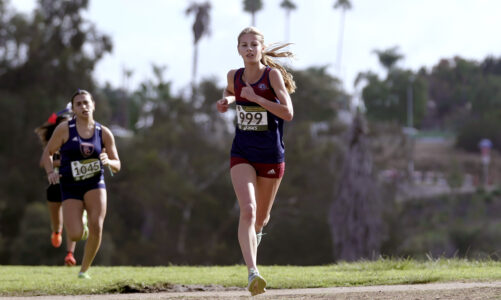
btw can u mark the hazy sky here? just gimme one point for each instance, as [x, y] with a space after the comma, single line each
[146, 32]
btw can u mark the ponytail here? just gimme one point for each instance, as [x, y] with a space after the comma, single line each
[268, 60]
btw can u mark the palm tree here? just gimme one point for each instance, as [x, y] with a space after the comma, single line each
[344, 5]
[124, 109]
[288, 6]
[389, 57]
[252, 6]
[200, 28]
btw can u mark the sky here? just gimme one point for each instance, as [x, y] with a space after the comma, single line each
[157, 32]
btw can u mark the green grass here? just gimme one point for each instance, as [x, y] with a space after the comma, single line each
[435, 134]
[49, 280]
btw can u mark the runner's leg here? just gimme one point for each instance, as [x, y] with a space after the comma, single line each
[266, 190]
[95, 204]
[72, 216]
[243, 177]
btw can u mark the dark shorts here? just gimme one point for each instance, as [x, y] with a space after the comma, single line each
[78, 190]
[54, 193]
[262, 170]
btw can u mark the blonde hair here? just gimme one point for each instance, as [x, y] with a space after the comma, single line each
[269, 53]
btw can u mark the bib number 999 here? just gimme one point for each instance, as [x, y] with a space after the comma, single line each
[252, 118]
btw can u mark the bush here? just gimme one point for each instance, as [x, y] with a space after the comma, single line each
[475, 130]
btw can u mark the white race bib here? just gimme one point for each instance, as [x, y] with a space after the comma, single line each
[252, 118]
[87, 168]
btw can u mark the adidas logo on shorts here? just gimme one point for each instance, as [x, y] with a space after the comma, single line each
[271, 172]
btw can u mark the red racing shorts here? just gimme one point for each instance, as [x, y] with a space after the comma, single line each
[263, 170]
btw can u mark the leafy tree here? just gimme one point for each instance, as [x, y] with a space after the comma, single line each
[388, 99]
[451, 85]
[123, 107]
[288, 6]
[252, 7]
[52, 44]
[319, 95]
[467, 96]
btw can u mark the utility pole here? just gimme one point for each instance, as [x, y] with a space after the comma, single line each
[411, 131]
[410, 104]
[485, 146]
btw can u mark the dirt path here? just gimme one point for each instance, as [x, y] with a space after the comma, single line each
[435, 291]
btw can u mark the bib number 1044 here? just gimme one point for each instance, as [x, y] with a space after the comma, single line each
[252, 118]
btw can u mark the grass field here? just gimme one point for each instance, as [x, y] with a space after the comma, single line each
[55, 280]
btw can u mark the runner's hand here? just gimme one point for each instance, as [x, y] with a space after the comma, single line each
[53, 177]
[222, 105]
[248, 93]
[104, 157]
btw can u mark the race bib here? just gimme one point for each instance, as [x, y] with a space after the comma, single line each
[87, 168]
[252, 118]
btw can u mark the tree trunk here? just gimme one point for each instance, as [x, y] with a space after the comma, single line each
[340, 44]
[195, 66]
[287, 25]
[183, 229]
[355, 213]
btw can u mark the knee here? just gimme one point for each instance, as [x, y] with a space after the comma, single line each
[74, 235]
[260, 223]
[95, 227]
[248, 212]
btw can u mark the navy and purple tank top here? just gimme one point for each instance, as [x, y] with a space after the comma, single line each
[258, 132]
[80, 157]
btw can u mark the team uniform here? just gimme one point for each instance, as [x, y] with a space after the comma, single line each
[259, 133]
[54, 193]
[81, 169]
[54, 190]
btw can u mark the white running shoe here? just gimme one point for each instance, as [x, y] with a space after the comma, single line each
[83, 275]
[257, 284]
[259, 236]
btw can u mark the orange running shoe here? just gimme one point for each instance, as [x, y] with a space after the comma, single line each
[69, 260]
[56, 239]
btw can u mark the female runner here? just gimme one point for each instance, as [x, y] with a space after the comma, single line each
[260, 91]
[85, 147]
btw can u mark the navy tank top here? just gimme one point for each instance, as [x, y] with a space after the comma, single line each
[80, 157]
[258, 132]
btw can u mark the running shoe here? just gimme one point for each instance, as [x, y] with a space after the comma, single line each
[69, 260]
[257, 284]
[85, 234]
[259, 236]
[56, 239]
[83, 275]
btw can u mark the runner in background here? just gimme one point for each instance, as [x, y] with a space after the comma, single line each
[85, 147]
[44, 133]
